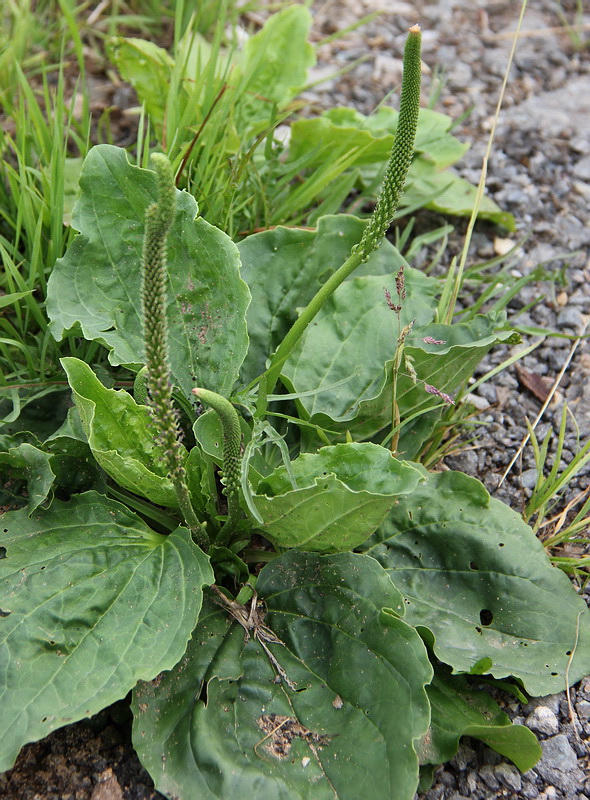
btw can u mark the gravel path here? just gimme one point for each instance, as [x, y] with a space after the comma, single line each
[539, 171]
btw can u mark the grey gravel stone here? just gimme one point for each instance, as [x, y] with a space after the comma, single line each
[543, 720]
[488, 775]
[559, 765]
[583, 710]
[570, 317]
[530, 791]
[508, 776]
[529, 478]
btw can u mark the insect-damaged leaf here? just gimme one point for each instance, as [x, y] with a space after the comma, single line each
[95, 287]
[477, 579]
[223, 722]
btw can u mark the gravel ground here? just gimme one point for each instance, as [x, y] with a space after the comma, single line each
[539, 171]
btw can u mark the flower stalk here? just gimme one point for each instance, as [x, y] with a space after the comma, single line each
[387, 204]
[158, 385]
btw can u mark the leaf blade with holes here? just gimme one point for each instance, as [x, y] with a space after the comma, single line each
[479, 584]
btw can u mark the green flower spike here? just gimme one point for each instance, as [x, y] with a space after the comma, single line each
[158, 221]
[403, 148]
[232, 446]
[391, 192]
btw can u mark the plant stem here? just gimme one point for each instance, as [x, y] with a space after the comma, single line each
[389, 197]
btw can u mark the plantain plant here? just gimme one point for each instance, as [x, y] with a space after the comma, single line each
[298, 611]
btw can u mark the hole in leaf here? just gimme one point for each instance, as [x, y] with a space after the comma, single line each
[3, 549]
[473, 565]
[5, 613]
[568, 652]
[478, 629]
[501, 544]
[43, 567]
[486, 617]
[554, 674]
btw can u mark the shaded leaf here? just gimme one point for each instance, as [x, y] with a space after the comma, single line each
[92, 601]
[21, 459]
[347, 729]
[147, 67]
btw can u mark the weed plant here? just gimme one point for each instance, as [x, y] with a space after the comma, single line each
[232, 516]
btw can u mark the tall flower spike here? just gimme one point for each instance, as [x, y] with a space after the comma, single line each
[403, 148]
[158, 221]
[395, 176]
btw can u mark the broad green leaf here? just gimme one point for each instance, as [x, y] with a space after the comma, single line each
[92, 602]
[477, 579]
[223, 724]
[121, 435]
[340, 497]
[147, 68]
[95, 287]
[454, 195]
[340, 130]
[23, 460]
[274, 66]
[458, 709]
[344, 359]
[285, 267]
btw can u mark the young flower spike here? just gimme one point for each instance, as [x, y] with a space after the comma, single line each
[232, 445]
